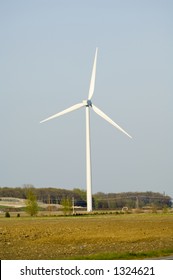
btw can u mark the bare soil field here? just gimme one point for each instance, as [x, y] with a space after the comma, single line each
[85, 237]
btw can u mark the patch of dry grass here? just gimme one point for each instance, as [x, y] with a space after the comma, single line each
[70, 237]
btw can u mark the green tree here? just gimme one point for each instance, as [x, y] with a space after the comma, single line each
[31, 203]
[67, 206]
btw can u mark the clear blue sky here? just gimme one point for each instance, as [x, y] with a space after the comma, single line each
[46, 55]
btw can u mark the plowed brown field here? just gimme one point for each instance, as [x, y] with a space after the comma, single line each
[70, 237]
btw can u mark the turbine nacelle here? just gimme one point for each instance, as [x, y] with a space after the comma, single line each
[87, 103]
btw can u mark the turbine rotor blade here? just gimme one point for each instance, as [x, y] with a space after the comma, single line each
[70, 109]
[105, 117]
[93, 76]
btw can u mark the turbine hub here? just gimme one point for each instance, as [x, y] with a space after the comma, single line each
[89, 103]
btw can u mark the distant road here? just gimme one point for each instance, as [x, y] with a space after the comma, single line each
[163, 258]
[167, 258]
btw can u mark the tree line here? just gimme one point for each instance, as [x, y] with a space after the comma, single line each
[132, 200]
[100, 200]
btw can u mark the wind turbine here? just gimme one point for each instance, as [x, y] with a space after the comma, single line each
[88, 105]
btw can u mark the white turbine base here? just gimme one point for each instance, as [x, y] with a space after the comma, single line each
[88, 162]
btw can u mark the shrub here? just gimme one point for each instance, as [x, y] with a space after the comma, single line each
[7, 214]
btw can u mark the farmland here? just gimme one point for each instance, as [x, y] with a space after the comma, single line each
[83, 237]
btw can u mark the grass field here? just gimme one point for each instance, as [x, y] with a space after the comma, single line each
[125, 236]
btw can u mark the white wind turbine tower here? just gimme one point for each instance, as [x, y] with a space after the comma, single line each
[88, 105]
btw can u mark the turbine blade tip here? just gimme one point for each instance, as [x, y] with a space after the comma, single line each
[42, 121]
[129, 136]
